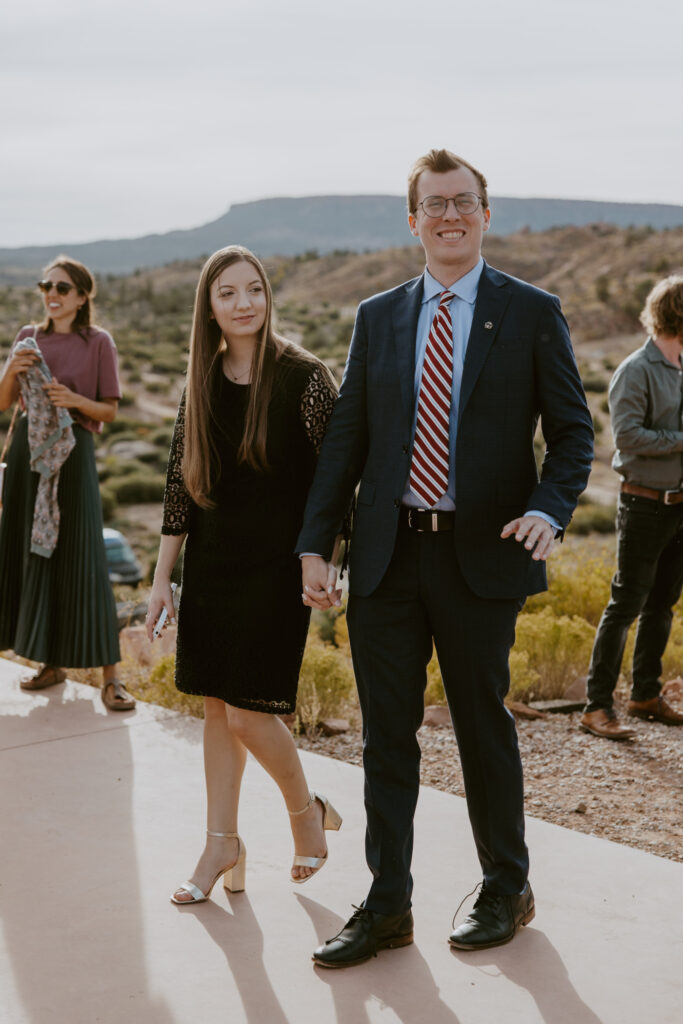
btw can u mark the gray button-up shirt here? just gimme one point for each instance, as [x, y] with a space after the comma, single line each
[646, 406]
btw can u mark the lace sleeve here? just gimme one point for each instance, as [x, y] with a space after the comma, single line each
[317, 403]
[177, 501]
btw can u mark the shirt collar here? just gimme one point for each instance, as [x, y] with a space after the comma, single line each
[464, 288]
[654, 354]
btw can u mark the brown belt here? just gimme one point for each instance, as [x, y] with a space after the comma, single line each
[426, 520]
[664, 497]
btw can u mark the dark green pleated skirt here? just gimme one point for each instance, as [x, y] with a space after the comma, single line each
[58, 610]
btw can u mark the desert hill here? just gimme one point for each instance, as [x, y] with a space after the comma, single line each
[290, 226]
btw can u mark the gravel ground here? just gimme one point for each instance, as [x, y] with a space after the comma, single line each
[630, 792]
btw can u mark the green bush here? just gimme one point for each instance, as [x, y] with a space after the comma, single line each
[109, 504]
[161, 437]
[137, 488]
[125, 423]
[579, 585]
[158, 686]
[554, 651]
[326, 683]
[592, 517]
[112, 466]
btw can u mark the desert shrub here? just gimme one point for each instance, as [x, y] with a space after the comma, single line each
[125, 424]
[594, 382]
[137, 488]
[326, 683]
[161, 437]
[554, 648]
[174, 363]
[109, 504]
[112, 466]
[578, 586]
[434, 692]
[672, 662]
[158, 387]
[157, 686]
[126, 399]
[523, 678]
[592, 517]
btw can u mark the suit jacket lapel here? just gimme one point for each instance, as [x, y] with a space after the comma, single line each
[492, 300]
[404, 315]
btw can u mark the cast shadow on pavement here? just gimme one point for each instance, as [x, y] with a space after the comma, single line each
[532, 962]
[71, 883]
[400, 980]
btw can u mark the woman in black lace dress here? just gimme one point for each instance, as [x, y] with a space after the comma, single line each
[250, 423]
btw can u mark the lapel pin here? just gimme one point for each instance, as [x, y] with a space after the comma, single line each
[488, 325]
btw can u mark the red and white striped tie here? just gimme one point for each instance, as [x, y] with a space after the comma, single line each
[429, 468]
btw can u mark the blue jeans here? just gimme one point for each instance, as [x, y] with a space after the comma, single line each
[647, 584]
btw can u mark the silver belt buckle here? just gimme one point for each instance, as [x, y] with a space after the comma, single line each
[668, 497]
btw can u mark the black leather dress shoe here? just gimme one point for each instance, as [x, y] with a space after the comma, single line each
[363, 936]
[494, 920]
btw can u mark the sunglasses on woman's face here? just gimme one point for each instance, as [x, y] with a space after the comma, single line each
[61, 287]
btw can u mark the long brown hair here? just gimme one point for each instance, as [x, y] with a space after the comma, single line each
[200, 460]
[84, 281]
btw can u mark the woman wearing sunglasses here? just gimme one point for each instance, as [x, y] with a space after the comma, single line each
[244, 449]
[58, 608]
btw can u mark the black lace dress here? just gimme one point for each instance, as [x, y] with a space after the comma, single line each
[241, 621]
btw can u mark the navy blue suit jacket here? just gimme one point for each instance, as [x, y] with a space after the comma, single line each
[519, 366]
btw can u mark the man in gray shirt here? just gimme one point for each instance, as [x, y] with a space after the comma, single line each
[646, 406]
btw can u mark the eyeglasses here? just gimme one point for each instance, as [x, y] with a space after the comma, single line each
[61, 287]
[464, 202]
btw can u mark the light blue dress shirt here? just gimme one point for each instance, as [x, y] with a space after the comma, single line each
[462, 313]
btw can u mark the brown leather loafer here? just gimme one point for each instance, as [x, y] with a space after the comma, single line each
[603, 722]
[115, 697]
[655, 710]
[48, 676]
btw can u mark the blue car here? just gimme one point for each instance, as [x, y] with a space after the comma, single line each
[122, 564]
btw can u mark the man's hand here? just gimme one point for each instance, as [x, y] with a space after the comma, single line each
[319, 583]
[537, 534]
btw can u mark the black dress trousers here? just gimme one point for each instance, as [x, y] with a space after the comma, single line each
[423, 598]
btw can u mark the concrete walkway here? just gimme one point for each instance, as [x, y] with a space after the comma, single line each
[102, 816]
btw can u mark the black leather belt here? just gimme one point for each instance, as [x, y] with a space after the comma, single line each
[426, 520]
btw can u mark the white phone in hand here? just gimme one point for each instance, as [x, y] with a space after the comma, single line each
[161, 621]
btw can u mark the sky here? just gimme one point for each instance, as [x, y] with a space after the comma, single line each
[127, 118]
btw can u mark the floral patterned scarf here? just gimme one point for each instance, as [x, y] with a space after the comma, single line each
[50, 441]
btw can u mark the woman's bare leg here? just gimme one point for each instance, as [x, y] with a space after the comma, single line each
[224, 759]
[270, 741]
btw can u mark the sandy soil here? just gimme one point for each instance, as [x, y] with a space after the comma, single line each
[630, 792]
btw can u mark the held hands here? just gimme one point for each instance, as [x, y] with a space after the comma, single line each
[61, 396]
[160, 598]
[319, 583]
[537, 534]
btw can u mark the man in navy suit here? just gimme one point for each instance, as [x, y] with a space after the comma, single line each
[446, 379]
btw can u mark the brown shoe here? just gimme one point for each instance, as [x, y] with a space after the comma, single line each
[603, 722]
[115, 697]
[48, 676]
[655, 710]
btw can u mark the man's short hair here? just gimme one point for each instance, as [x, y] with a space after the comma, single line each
[442, 160]
[663, 312]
